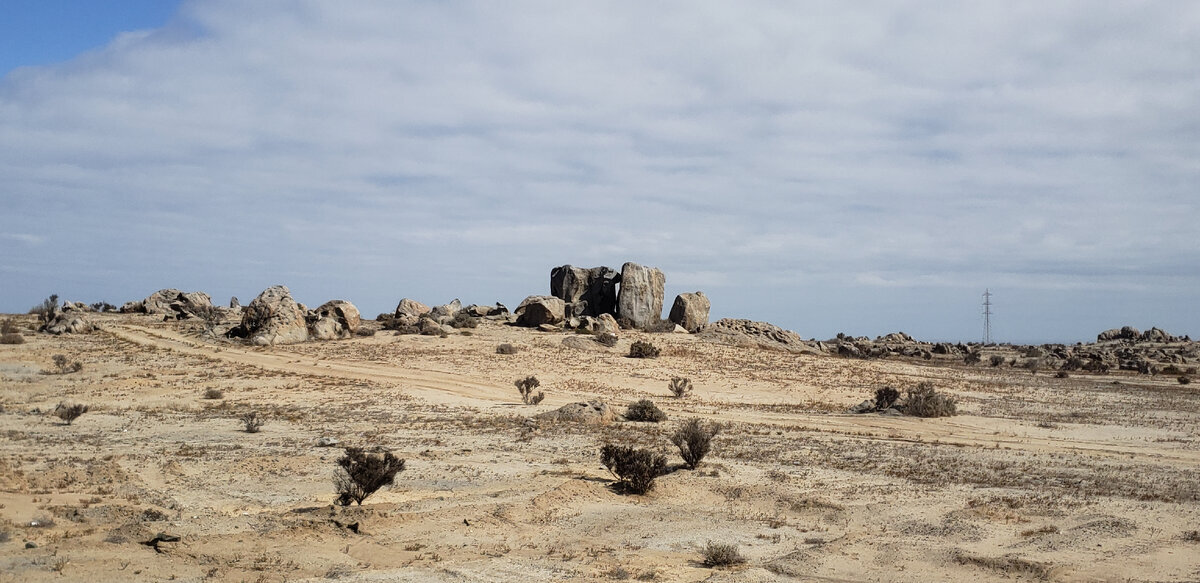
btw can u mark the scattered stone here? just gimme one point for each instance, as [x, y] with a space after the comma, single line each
[65, 323]
[584, 342]
[446, 312]
[327, 442]
[863, 407]
[234, 304]
[640, 300]
[1124, 333]
[549, 328]
[412, 308]
[538, 310]
[690, 311]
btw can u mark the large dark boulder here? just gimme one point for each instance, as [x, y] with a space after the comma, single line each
[588, 291]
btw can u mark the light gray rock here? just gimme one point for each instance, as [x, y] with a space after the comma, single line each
[413, 308]
[690, 311]
[333, 320]
[274, 318]
[640, 299]
[591, 412]
[538, 310]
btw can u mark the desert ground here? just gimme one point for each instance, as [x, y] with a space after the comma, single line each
[1086, 478]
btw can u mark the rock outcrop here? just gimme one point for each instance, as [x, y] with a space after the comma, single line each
[538, 310]
[640, 299]
[274, 318]
[690, 311]
[586, 291]
[66, 323]
[759, 334]
[333, 320]
[592, 412]
[1124, 333]
[172, 303]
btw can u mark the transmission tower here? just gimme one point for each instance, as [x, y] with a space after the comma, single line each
[987, 316]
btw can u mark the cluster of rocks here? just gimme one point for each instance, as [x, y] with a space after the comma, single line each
[62, 321]
[600, 299]
[1129, 334]
[275, 318]
[172, 304]
[749, 333]
[413, 317]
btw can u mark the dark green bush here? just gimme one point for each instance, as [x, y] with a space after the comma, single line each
[361, 473]
[526, 386]
[635, 469]
[885, 397]
[722, 555]
[923, 401]
[645, 410]
[643, 349]
[694, 439]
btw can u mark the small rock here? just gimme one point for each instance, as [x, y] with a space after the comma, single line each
[30, 544]
[327, 442]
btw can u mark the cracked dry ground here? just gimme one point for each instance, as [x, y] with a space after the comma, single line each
[1080, 479]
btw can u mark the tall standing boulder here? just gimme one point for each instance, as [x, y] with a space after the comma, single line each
[274, 318]
[640, 300]
[538, 310]
[334, 319]
[588, 292]
[690, 311]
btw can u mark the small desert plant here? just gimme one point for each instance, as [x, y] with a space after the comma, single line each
[361, 473]
[64, 365]
[9, 326]
[996, 360]
[70, 412]
[635, 469]
[253, 422]
[643, 349]
[1192, 536]
[210, 317]
[645, 410]
[972, 357]
[607, 339]
[1184, 379]
[1032, 365]
[722, 555]
[464, 320]
[680, 387]
[45, 310]
[923, 401]
[885, 397]
[506, 348]
[1062, 374]
[12, 338]
[694, 439]
[104, 307]
[526, 386]
[214, 393]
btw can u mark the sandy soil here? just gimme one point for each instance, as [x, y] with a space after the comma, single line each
[1088, 478]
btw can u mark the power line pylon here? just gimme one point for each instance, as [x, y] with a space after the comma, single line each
[987, 316]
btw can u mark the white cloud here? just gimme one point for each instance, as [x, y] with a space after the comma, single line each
[915, 147]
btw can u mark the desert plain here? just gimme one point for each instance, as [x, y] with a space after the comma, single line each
[1091, 477]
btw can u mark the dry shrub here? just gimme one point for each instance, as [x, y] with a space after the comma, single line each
[1184, 379]
[12, 338]
[886, 397]
[506, 348]
[9, 326]
[635, 469]
[70, 412]
[361, 473]
[923, 401]
[722, 555]
[526, 386]
[607, 339]
[253, 422]
[464, 320]
[643, 349]
[214, 393]
[63, 365]
[645, 410]
[694, 439]
[680, 387]
[996, 360]
[1062, 374]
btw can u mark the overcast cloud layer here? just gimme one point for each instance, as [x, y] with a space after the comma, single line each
[834, 167]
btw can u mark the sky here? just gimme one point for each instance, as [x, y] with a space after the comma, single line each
[829, 167]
